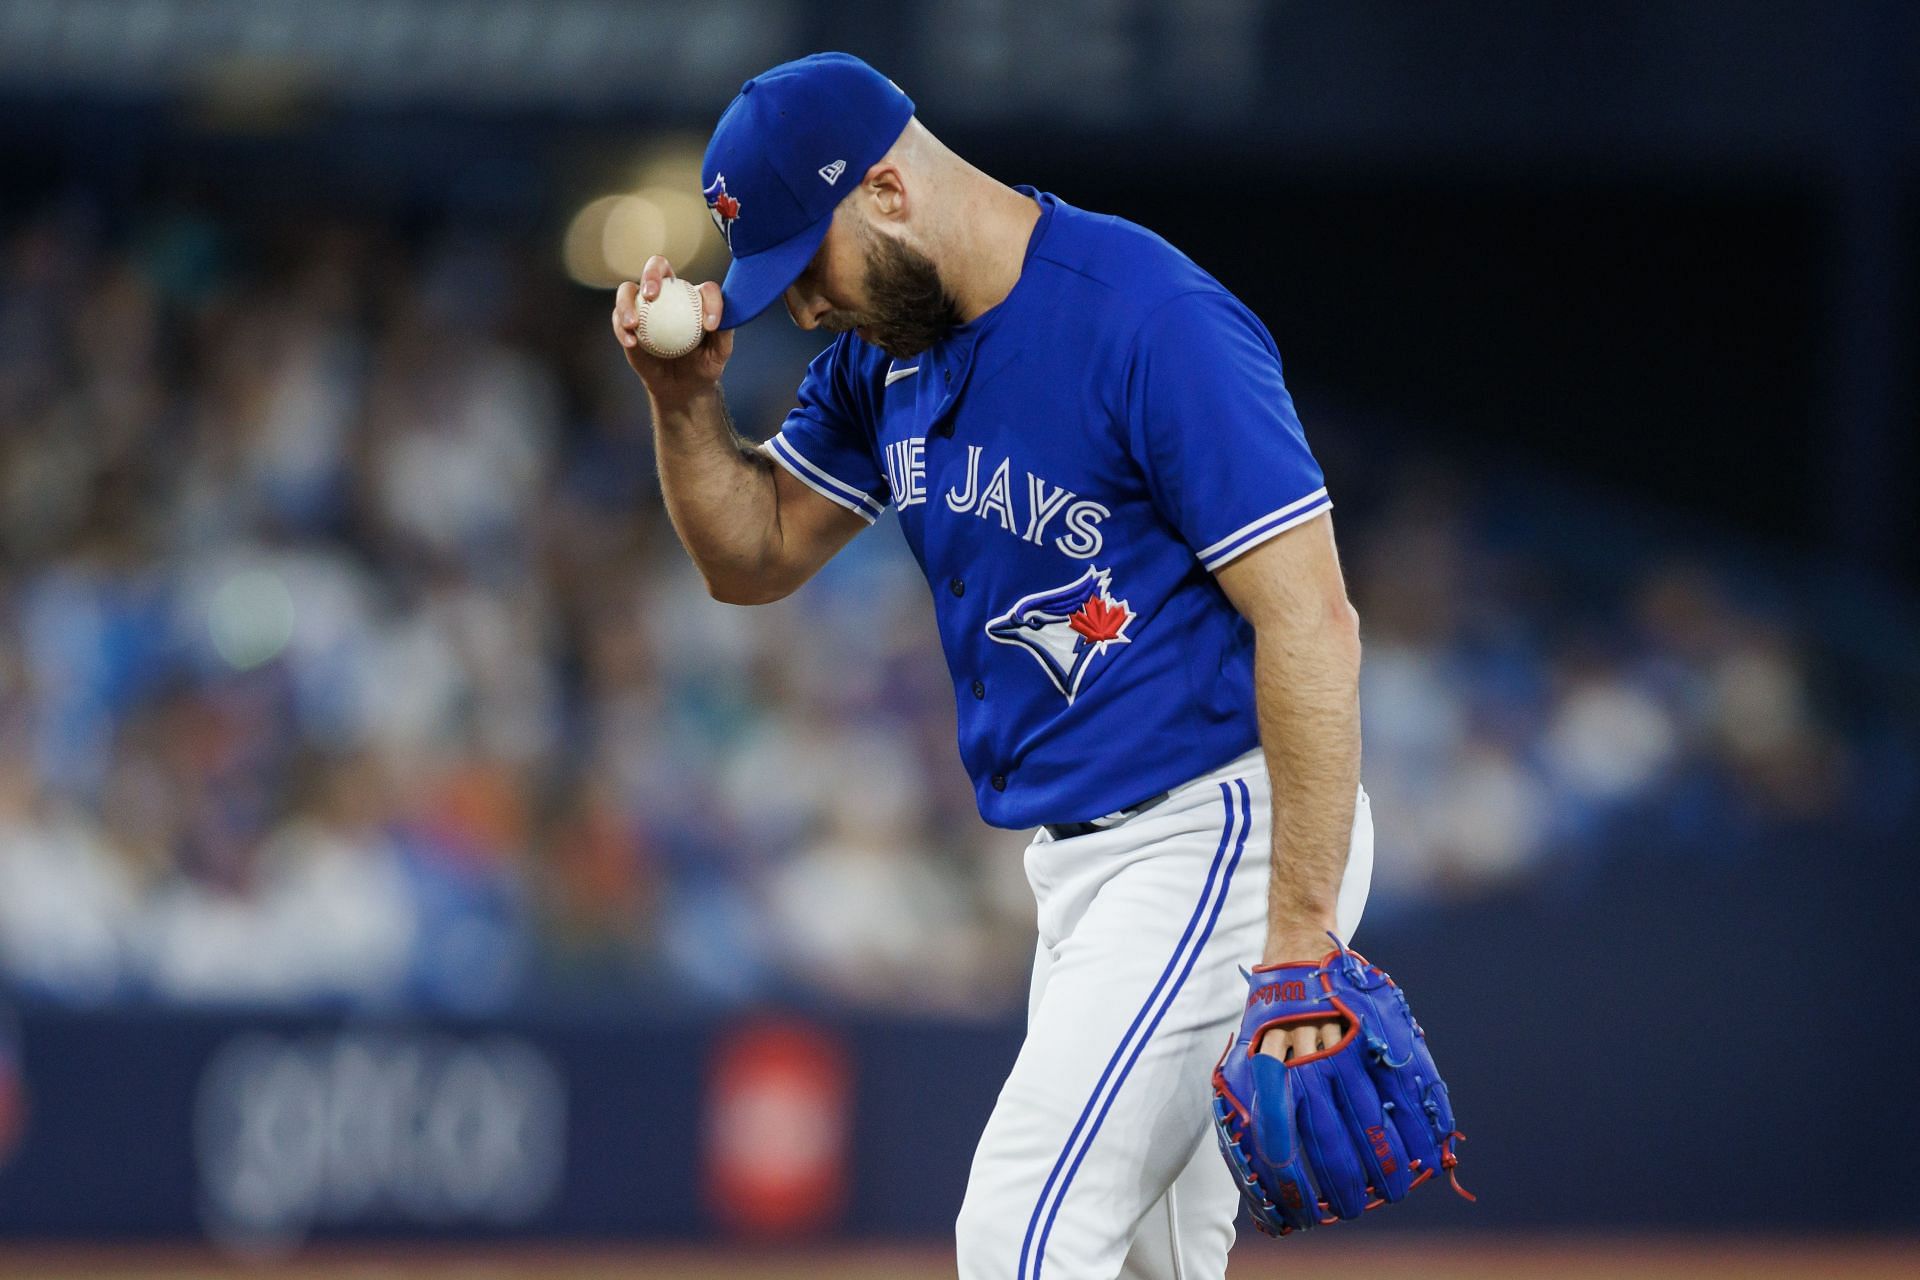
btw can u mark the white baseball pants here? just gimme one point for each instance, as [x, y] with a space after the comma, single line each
[1099, 1159]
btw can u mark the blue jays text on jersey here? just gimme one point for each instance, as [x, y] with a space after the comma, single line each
[1069, 469]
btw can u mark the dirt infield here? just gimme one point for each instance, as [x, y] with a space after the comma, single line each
[1440, 1258]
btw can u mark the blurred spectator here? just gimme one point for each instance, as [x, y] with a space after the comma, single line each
[68, 906]
[326, 914]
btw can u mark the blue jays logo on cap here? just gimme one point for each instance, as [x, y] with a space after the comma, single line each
[1066, 628]
[781, 150]
[722, 206]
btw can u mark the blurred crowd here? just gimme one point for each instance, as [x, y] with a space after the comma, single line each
[347, 658]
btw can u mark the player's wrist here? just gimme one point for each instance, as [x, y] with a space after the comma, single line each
[681, 403]
[1298, 941]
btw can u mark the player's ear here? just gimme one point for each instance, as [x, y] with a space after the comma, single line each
[885, 189]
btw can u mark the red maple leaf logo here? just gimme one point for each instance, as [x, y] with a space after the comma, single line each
[1099, 620]
[726, 206]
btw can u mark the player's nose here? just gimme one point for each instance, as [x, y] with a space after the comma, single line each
[806, 310]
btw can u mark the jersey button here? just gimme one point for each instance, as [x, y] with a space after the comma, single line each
[958, 587]
[979, 689]
[999, 782]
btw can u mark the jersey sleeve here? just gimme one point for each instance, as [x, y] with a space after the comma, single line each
[1215, 430]
[823, 441]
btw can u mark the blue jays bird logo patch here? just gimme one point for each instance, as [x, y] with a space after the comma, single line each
[1067, 628]
[722, 206]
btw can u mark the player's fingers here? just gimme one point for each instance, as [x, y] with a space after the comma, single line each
[625, 312]
[656, 270]
[711, 306]
[1299, 1039]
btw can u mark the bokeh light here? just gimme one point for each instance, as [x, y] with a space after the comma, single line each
[611, 236]
[250, 618]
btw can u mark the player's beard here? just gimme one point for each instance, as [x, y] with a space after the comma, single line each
[908, 306]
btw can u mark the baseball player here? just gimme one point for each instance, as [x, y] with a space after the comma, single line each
[1090, 451]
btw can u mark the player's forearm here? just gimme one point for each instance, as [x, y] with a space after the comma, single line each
[720, 495]
[1307, 681]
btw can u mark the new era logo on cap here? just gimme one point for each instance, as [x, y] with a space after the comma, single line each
[832, 172]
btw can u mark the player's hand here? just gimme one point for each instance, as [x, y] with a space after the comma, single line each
[1357, 1121]
[691, 374]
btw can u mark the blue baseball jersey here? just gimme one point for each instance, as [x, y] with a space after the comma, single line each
[1070, 469]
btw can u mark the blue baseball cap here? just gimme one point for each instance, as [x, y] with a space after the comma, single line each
[788, 148]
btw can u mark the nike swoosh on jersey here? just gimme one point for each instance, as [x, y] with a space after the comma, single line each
[894, 375]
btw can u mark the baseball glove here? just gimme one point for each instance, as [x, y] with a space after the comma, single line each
[1318, 1138]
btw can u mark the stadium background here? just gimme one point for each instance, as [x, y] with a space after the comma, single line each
[402, 860]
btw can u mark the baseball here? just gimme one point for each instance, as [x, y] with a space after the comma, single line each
[670, 326]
